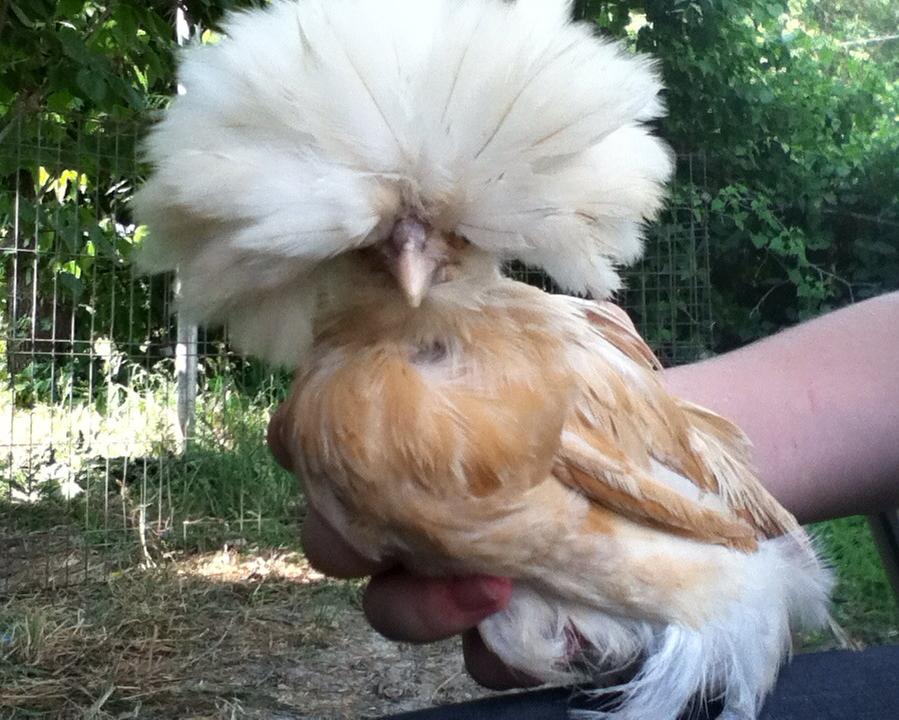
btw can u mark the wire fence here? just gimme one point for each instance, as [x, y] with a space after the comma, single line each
[97, 469]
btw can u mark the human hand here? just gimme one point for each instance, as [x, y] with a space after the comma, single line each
[406, 607]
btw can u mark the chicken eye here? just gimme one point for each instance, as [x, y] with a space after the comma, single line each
[429, 353]
[457, 242]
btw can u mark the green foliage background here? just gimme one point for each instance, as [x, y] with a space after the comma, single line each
[794, 105]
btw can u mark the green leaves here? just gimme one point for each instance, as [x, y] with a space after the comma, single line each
[96, 57]
[126, 24]
[20, 15]
[66, 9]
[69, 278]
[93, 84]
[73, 46]
[797, 131]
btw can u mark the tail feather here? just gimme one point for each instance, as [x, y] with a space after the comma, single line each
[735, 655]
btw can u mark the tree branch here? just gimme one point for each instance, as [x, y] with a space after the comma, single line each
[869, 41]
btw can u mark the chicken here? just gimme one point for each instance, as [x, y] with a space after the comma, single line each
[341, 184]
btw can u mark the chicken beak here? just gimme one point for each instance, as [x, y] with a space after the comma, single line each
[414, 273]
[408, 260]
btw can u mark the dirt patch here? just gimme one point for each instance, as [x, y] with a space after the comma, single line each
[226, 635]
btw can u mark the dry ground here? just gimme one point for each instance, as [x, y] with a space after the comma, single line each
[220, 636]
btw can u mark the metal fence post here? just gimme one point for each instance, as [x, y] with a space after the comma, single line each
[186, 379]
[186, 349]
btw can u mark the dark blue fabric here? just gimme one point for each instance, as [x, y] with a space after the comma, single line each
[837, 685]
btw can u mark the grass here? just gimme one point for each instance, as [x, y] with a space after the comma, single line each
[91, 487]
[864, 602]
[119, 464]
[150, 640]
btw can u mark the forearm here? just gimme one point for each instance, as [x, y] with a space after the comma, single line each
[820, 403]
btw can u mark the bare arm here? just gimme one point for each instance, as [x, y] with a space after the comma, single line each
[820, 403]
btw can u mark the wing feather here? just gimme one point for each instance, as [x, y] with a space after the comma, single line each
[727, 453]
[658, 460]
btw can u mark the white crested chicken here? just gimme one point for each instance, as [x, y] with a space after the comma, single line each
[340, 184]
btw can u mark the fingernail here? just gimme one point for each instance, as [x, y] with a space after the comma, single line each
[486, 594]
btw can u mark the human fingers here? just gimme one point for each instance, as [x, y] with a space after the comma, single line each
[409, 608]
[330, 554]
[323, 546]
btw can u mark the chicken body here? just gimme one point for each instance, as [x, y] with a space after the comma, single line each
[501, 430]
[339, 184]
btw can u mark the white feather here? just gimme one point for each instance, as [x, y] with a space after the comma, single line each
[310, 128]
[736, 651]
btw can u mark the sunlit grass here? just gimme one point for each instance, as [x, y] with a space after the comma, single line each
[173, 641]
[121, 466]
[864, 602]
